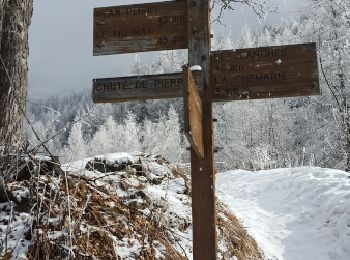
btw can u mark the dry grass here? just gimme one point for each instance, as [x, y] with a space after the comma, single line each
[96, 225]
[82, 217]
[240, 243]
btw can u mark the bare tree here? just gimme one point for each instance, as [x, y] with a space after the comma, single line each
[15, 17]
[260, 7]
[331, 24]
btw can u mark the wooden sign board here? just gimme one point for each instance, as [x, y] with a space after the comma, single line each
[193, 113]
[114, 90]
[269, 72]
[140, 28]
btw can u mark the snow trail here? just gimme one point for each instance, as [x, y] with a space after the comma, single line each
[294, 214]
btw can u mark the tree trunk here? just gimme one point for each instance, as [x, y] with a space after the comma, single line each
[15, 17]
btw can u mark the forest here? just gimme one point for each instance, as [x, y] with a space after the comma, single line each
[250, 134]
[84, 180]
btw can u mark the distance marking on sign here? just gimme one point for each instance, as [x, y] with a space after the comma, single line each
[268, 72]
[140, 27]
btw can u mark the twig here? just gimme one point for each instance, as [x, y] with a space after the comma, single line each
[69, 214]
[104, 176]
[82, 212]
[329, 86]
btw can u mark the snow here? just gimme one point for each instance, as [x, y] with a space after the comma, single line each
[76, 166]
[169, 204]
[38, 157]
[117, 158]
[178, 207]
[278, 62]
[13, 226]
[294, 214]
[196, 67]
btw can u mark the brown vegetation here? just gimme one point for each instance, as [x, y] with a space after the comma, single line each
[84, 215]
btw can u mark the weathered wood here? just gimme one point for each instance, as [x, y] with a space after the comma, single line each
[269, 72]
[226, 75]
[202, 169]
[193, 113]
[140, 27]
[14, 21]
[123, 89]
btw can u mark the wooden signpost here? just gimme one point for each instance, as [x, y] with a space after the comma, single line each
[281, 71]
[114, 90]
[140, 27]
[269, 72]
[193, 113]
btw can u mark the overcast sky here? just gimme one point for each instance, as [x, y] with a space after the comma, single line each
[61, 60]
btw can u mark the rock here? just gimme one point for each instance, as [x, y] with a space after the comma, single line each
[4, 194]
[104, 167]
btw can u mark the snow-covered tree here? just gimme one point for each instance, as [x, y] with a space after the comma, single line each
[138, 68]
[329, 23]
[132, 132]
[171, 144]
[100, 142]
[164, 136]
[76, 145]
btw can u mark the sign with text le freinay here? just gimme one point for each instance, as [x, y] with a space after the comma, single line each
[140, 28]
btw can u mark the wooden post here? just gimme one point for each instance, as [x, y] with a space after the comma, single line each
[203, 175]
[287, 71]
[193, 113]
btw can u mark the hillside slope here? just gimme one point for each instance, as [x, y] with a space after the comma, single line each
[294, 214]
[115, 206]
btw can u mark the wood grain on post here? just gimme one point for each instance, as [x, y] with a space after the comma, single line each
[193, 113]
[203, 175]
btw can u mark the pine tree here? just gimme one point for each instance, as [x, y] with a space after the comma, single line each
[100, 143]
[76, 146]
[171, 143]
[132, 133]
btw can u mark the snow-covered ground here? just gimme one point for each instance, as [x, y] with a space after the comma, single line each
[294, 214]
[113, 206]
[111, 158]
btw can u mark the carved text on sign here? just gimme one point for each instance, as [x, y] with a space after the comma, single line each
[138, 84]
[139, 87]
[140, 27]
[264, 72]
[126, 11]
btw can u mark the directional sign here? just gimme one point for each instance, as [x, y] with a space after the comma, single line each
[140, 27]
[114, 90]
[193, 113]
[283, 71]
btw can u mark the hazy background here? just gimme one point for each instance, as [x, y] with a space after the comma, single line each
[61, 60]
